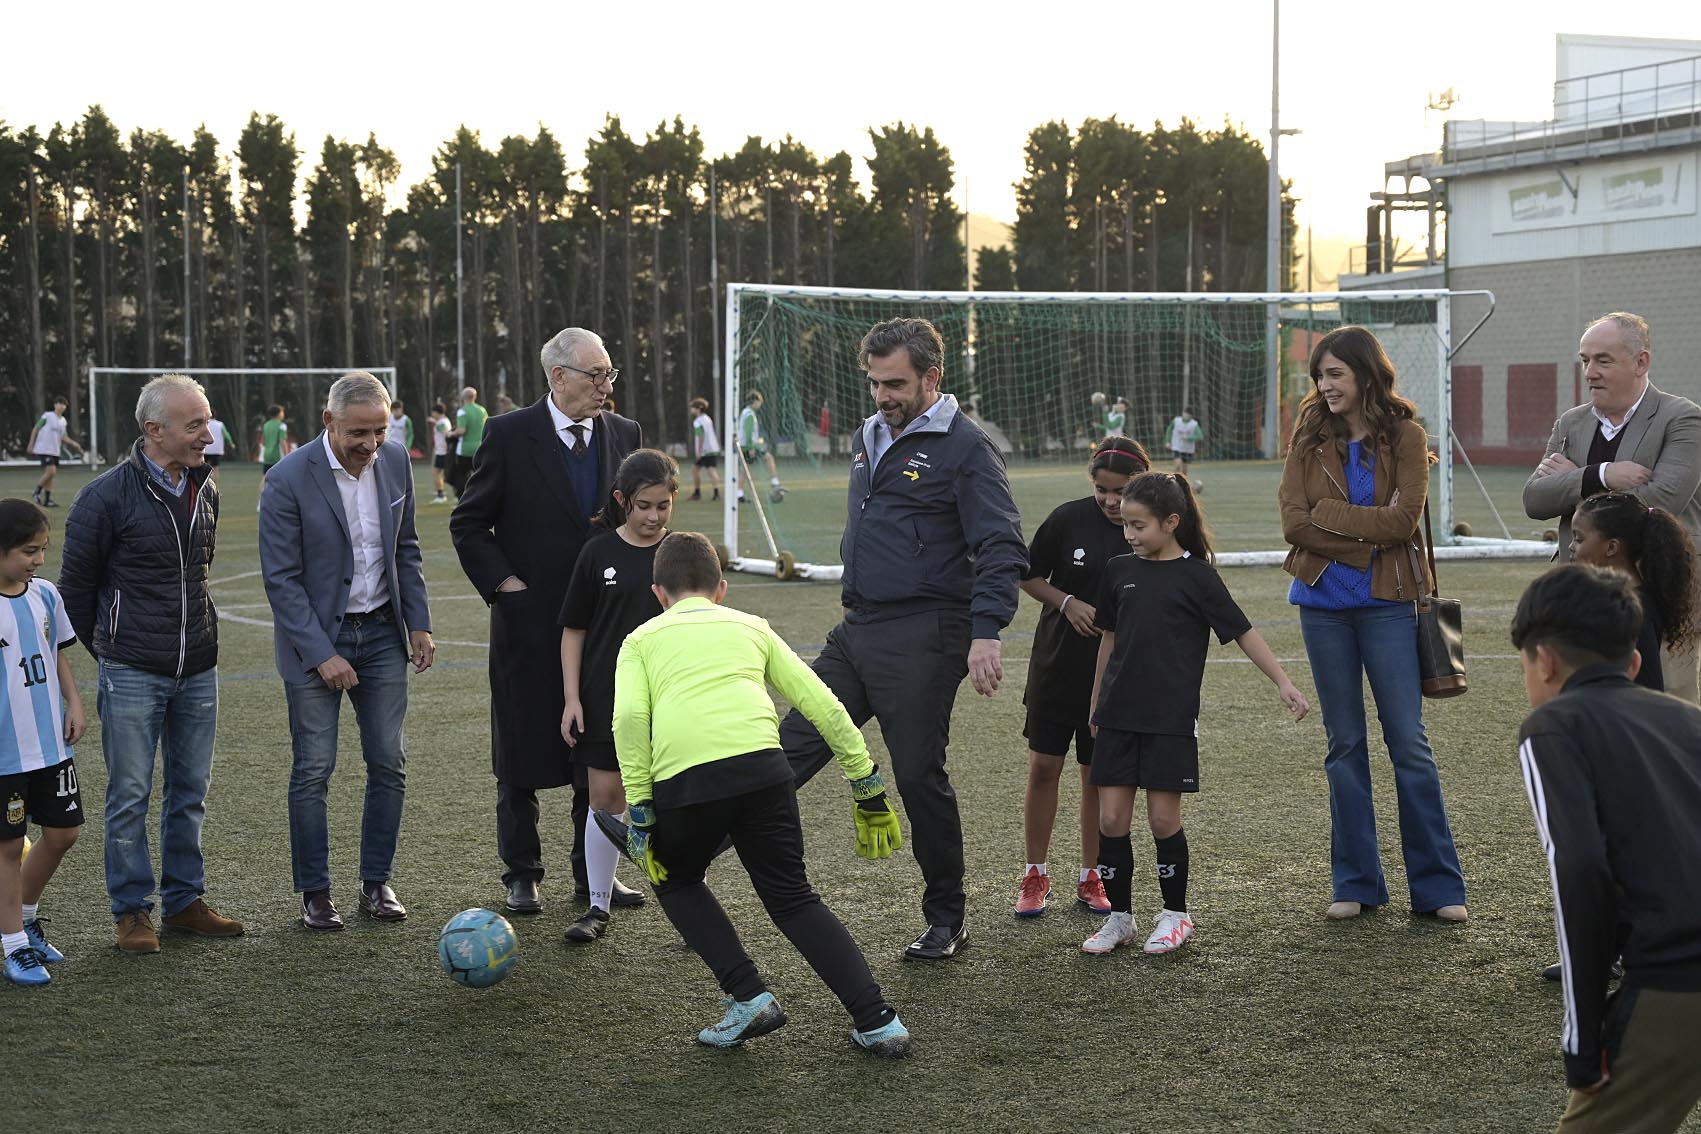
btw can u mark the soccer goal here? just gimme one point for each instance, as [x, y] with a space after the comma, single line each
[239, 399]
[1031, 368]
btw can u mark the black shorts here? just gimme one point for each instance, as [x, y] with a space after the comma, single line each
[709, 461]
[213, 459]
[596, 754]
[47, 795]
[46, 461]
[265, 468]
[1184, 458]
[1050, 737]
[755, 454]
[1155, 761]
[440, 461]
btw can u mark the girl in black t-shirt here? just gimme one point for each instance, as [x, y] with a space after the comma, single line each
[1616, 529]
[608, 597]
[1065, 564]
[1158, 609]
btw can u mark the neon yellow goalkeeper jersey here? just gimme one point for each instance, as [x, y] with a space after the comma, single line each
[690, 688]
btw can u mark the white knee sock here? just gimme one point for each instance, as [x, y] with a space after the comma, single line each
[600, 857]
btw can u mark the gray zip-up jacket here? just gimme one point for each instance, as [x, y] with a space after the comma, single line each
[933, 526]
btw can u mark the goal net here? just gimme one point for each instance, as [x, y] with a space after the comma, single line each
[1030, 369]
[239, 399]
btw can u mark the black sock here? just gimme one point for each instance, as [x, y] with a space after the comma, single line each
[1172, 870]
[1116, 863]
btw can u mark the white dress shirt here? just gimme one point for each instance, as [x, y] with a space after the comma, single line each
[883, 435]
[1609, 430]
[369, 590]
[562, 422]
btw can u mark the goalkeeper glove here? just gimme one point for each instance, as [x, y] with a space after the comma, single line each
[877, 831]
[640, 827]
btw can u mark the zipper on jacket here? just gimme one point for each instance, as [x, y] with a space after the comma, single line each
[182, 573]
[112, 620]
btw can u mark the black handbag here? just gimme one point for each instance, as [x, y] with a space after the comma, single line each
[1440, 632]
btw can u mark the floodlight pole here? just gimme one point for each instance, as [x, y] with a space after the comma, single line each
[714, 294]
[188, 322]
[460, 354]
[1272, 244]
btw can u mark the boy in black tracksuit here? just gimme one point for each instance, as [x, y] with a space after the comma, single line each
[1613, 772]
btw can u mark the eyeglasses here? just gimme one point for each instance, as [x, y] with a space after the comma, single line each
[611, 375]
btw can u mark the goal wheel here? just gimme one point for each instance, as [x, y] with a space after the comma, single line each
[724, 555]
[1461, 529]
[1551, 535]
[785, 565]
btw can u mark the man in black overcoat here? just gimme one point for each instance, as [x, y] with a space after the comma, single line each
[538, 478]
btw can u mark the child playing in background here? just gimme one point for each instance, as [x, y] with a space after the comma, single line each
[608, 596]
[41, 717]
[1066, 563]
[705, 450]
[699, 748]
[1157, 612]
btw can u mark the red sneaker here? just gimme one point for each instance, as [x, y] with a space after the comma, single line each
[1091, 894]
[1036, 888]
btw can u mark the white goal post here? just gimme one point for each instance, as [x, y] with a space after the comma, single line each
[239, 397]
[1023, 361]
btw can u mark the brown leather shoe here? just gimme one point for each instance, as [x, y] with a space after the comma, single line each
[199, 917]
[378, 901]
[136, 933]
[319, 912]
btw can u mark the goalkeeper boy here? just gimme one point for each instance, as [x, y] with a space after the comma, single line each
[698, 743]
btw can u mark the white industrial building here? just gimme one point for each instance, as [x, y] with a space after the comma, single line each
[1591, 211]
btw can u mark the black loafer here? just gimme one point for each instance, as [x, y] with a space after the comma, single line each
[624, 897]
[379, 902]
[319, 912]
[522, 897]
[938, 943]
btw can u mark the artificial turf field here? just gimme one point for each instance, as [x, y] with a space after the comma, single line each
[1272, 1019]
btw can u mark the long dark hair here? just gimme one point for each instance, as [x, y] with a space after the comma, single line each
[1382, 407]
[1663, 553]
[642, 468]
[1166, 494]
[1123, 456]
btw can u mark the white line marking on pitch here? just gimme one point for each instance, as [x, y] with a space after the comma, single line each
[262, 623]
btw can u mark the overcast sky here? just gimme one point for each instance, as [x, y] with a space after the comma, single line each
[1355, 78]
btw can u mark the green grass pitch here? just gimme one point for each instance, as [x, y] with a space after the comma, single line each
[1272, 1019]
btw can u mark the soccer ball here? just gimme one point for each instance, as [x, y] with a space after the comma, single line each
[477, 948]
[1199, 488]
[1098, 398]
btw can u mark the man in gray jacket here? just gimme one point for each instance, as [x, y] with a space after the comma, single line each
[933, 557]
[1628, 437]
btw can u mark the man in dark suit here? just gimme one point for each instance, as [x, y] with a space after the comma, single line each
[537, 479]
[1628, 437]
[343, 574]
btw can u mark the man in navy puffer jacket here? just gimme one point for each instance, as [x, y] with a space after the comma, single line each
[138, 546]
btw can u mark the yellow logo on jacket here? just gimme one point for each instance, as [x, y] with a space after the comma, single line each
[912, 474]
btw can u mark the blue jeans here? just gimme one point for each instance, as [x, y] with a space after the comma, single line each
[1345, 646]
[141, 712]
[380, 660]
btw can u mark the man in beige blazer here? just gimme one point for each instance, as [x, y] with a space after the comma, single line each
[1628, 437]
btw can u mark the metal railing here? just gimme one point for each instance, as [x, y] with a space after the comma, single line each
[1643, 102]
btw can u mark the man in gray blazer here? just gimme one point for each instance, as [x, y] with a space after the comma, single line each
[342, 569]
[1628, 437]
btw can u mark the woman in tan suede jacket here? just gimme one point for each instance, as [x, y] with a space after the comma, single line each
[1352, 496]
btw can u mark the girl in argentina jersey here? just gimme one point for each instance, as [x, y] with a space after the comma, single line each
[607, 598]
[41, 717]
[1066, 564]
[1157, 611]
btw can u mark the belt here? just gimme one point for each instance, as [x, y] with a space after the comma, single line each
[355, 619]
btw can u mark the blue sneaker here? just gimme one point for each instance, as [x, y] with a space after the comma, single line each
[744, 1020]
[38, 942]
[891, 1040]
[25, 967]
